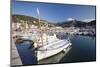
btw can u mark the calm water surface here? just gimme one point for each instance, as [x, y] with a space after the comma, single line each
[27, 55]
[83, 49]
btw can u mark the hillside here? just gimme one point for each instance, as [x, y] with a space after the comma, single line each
[28, 20]
[77, 23]
[34, 21]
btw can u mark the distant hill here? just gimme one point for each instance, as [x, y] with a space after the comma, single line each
[76, 23]
[33, 20]
[92, 23]
[28, 19]
[17, 18]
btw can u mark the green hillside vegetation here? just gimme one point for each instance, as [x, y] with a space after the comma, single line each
[27, 19]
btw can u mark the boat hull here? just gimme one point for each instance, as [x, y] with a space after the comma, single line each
[55, 58]
[42, 54]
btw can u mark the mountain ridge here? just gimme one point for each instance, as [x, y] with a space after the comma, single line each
[75, 23]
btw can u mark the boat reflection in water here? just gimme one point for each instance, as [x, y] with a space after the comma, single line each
[56, 58]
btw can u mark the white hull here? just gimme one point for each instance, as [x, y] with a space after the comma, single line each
[52, 50]
[56, 58]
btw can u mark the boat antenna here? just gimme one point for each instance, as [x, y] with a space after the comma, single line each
[38, 12]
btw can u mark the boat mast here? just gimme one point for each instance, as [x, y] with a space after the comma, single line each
[38, 12]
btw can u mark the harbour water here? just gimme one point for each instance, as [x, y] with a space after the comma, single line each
[27, 55]
[83, 49]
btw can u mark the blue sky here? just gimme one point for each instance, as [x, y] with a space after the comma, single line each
[54, 12]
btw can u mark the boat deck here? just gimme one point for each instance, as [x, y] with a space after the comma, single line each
[54, 45]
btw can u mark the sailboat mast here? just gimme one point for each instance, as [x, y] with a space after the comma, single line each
[38, 12]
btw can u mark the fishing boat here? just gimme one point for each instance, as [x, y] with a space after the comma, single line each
[46, 41]
[49, 44]
[52, 46]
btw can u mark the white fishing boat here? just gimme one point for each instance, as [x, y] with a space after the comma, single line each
[51, 47]
[49, 44]
[46, 42]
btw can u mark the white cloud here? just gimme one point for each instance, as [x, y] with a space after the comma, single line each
[70, 19]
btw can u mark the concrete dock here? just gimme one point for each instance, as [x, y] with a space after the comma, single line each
[15, 58]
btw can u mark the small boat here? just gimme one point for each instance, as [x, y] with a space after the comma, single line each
[52, 47]
[49, 44]
[46, 42]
